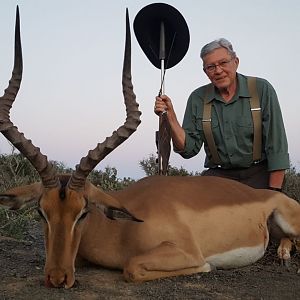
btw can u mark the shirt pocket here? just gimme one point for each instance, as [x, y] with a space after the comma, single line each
[214, 123]
[214, 126]
[244, 128]
[242, 122]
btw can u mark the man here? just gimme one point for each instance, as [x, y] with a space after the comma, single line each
[229, 141]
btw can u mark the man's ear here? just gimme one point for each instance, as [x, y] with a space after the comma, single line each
[237, 61]
[109, 205]
[18, 197]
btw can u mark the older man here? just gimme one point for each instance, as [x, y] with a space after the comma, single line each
[244, 140]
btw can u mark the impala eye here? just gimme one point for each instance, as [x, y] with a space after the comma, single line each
[83, 216]
[41, 215]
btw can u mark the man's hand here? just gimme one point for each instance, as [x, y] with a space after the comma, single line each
[163, 104]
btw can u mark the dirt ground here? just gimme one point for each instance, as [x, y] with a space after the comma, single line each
[21, 277]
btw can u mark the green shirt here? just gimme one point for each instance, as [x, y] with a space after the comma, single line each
[232, 127]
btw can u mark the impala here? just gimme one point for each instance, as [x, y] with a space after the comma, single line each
[157, 227]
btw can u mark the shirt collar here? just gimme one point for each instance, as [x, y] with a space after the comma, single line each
[242, 89]
[243, 86]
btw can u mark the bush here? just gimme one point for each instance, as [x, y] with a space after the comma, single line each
[108, 179]
[16, 223]
[150, 167]
[15, 170]
[291, 186]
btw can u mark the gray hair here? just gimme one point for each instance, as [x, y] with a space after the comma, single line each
[216, 44]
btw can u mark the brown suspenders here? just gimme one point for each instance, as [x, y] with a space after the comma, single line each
[257, 119]
[206, 124]
[257, 123]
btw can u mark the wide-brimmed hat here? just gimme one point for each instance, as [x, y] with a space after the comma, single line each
[147, 29]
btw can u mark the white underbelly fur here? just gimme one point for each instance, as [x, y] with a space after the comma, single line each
[236, 258]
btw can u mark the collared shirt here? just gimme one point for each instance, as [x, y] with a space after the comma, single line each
[232, 127]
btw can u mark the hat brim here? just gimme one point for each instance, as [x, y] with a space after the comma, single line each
[147, 28]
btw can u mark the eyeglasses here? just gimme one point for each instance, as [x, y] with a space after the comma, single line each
[223, 64]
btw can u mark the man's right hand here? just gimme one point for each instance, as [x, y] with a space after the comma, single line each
[163, 104]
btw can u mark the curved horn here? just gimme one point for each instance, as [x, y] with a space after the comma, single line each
[7, 128]
[88, 163]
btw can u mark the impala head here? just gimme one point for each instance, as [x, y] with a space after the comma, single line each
[64, 201]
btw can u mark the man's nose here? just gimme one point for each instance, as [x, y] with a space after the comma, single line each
[218, 69]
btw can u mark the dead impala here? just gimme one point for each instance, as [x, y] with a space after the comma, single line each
[159, 226]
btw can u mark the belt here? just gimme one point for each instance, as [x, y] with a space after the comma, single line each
[254, 164]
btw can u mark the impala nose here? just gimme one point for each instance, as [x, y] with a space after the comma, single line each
[59, 279]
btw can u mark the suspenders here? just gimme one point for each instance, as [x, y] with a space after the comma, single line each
[206, 124]
[256, 117]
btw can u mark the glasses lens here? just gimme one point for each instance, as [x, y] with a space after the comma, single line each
[222, 64]
[210, 68]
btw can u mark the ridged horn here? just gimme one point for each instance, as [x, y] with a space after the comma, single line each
[33, 154]
[88, 163]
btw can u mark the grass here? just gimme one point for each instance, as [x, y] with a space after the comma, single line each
[15, 224]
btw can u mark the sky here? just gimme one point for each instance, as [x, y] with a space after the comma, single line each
[71, 94]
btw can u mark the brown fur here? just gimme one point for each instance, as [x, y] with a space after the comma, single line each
[189, 224]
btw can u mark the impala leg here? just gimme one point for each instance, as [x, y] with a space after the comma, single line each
[284, 250]
[165, 260]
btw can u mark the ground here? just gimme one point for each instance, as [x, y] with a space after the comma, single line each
[21, 277]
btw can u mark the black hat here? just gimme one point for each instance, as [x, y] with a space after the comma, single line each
[147, 28]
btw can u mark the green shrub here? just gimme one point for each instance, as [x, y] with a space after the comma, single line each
[15, 170]
[15, 224]
[108, 179]
[150, 167]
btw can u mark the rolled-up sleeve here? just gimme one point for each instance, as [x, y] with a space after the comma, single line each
[193, 139]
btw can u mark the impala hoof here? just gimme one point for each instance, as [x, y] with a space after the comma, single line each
[286, 263]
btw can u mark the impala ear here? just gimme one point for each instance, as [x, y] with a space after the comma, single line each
[18, 197]
[97, 196]
[114, 213]
[109, 205]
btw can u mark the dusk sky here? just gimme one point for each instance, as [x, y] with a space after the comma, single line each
[71, 94]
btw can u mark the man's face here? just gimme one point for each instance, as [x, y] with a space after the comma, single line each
[220, 67]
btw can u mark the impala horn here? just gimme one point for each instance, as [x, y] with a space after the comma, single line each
[33, 154]
[88, 163]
